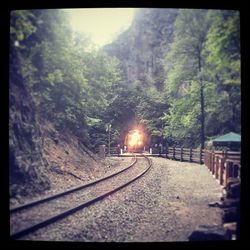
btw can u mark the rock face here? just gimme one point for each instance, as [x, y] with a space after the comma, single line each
[231, 213]
[205, 233]
[26, 163]
[42, 158]
[143, 47]
[230, 204]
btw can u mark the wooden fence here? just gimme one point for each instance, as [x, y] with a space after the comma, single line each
[223, 164]
[185, 154]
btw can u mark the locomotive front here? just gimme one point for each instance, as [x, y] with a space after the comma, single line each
[135, 141]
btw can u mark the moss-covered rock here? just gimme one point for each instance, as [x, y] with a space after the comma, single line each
[26, 163]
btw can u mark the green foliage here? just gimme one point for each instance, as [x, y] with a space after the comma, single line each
[21, 25]
[82, 89]
[223, 67]
[71, 83]
[205, 56]
[181, 121]
[150, 111]
[184, 84]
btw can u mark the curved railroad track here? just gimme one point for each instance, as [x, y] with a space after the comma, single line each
[30, 217]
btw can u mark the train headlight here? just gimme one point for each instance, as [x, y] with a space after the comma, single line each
[135, 138]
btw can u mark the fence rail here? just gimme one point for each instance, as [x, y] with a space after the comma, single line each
[185, 154]
[222, 164]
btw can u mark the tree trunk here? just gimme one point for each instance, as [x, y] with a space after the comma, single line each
[202, 114]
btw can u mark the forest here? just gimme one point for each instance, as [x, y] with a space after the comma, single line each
[163, 88]
[193, 95]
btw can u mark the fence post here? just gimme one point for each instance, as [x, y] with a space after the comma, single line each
[101, 151]
[227, 175]
[181, 154]
[212, 162]
[190, 155]
[160, 150]
[222, 170]
[205, 157]
[225, 154]
[166, 151]
[217, 167]
[208, 158]
[173, 153]
[200, 155]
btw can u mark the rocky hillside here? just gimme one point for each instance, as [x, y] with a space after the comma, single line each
[53, 105]
[40, 157]
[27, 164]
[143, 47]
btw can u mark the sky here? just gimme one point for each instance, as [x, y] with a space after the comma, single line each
[102, 24]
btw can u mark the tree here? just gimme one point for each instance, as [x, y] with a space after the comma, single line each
[70, 82]
[222, 55]
[120, 111]
[150, 110]
[204, 80]
[187, 64]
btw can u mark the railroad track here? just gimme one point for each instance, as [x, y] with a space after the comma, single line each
[30, 217]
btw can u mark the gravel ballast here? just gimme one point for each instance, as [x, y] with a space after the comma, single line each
[62, 182]
[166, 204]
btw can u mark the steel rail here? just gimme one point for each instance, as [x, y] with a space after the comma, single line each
[48, 198]
[67, 212]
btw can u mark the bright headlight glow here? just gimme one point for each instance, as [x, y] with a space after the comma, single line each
[135, 138]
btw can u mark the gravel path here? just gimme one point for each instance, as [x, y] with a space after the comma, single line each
[166, 204]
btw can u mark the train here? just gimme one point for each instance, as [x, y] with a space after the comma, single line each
[135, 140]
